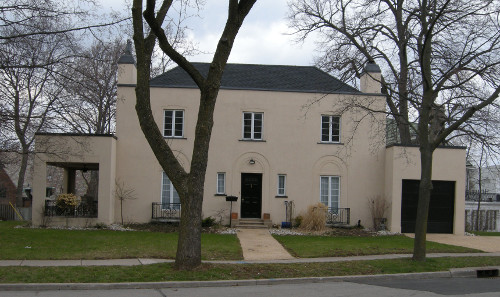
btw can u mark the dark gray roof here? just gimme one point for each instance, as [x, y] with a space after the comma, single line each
[372, 67]
[127, 57]
[307, 79]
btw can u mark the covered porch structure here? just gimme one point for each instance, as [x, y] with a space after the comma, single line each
[72, 153]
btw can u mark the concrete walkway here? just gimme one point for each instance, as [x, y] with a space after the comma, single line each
[490, 244]
[259, 245]
[140, 261]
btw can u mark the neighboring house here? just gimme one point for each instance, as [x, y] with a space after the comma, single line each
[7, 188]
[489, 209]
[281, 134]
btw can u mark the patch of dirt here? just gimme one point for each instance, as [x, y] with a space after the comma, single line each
[171, 228]
[334, 231]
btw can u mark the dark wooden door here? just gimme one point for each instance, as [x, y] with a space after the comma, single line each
[441, 207]
[251, 195]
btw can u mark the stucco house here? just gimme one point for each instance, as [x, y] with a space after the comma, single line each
[284, 138]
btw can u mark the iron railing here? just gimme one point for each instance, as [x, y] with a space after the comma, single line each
[338, 216]
[83, 210]
[168, 212]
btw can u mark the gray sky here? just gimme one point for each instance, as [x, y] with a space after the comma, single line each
[261, 40]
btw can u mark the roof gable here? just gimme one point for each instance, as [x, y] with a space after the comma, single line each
[306, 79]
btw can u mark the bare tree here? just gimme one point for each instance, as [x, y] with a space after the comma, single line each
[90, 86]
[28, 93]
[23, 16]
[448, 57]
[189, 185]
[122, 194]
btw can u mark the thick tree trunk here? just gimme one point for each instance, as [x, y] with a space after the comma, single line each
[424, 197]
[188, 254]
[21, 177]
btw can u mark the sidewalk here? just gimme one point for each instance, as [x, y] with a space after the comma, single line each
[140, 261]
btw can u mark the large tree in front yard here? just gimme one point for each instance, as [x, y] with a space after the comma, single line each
[442, 58]
[189, 185]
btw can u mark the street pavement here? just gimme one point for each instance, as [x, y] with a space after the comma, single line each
[401, 288]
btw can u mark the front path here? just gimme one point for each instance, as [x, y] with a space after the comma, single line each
[259, 245]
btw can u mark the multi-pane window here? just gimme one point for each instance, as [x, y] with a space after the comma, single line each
[173, 125]
[281, 185]
[252, 125]
[169, 197]
[3, 192]
[221, 183]
[330, 191]
[330, 128]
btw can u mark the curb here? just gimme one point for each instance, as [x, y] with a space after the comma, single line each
[227, 283]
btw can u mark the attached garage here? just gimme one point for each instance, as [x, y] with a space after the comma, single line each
[441, 208]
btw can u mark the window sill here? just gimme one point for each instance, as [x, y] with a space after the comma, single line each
[325, 142]
[281, 196]
[253, 140]
[221, 195]
[171, 137]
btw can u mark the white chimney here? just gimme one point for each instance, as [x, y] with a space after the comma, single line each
[370, 80]
[127, 73]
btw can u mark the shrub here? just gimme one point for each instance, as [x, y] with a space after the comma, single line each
[315, 218]
[298, 221]
[208, 222]
[378, 206]
[67, 202]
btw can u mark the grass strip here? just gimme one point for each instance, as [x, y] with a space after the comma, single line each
[207, 272]
[53, 244]
[326, 246]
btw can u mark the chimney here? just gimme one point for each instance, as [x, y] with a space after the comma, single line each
[127, 73]
[370, 80]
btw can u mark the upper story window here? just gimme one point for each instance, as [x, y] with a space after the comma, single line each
[330, 128]
[173, 125]
[252, 125]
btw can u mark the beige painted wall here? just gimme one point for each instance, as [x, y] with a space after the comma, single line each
[291, 146]
[76, 149]
[404, 163]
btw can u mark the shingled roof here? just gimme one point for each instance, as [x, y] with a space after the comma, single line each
[306, 79]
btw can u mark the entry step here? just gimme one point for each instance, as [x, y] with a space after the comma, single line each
[252, 224]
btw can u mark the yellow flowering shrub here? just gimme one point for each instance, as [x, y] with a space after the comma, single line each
[67, 201]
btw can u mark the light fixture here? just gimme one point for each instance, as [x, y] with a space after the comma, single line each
[251, 162]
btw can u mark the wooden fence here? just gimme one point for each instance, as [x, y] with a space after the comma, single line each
[7, 213]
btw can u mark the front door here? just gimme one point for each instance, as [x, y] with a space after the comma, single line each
[251, 195]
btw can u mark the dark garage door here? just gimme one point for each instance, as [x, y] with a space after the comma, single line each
[441, 208]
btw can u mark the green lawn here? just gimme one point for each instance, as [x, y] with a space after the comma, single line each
[326, 246]
[165, 272]
[484, 233]
[30, 243]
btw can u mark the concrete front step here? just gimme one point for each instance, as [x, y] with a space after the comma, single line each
[251, 224]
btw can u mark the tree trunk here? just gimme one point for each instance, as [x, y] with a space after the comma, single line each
[424, 197]
[21, 177]
[188, 254]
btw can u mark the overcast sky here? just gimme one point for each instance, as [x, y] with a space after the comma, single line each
[262, 39]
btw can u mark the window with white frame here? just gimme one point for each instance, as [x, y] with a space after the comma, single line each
[281, 185]
[252, 125]
[169, 197]
[221, 183]
[330, 128]
[330, 191]
[173, 123]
